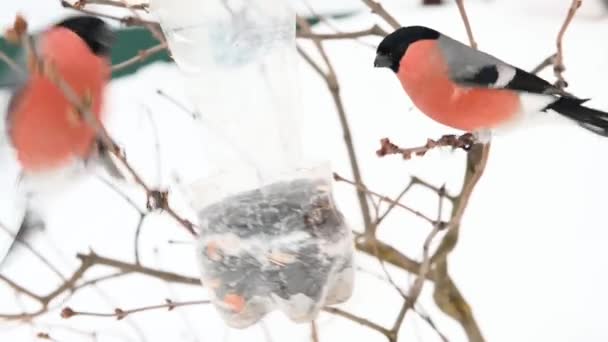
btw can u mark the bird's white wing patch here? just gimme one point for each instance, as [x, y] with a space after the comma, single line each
[506, 74]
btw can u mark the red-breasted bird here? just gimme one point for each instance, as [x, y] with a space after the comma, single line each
[44, 129]
[470, 90]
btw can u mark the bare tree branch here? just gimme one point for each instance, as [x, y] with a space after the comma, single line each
[377, 8]
[356, 319]
[332, 83]
[558, 65]
[363, 188]
[467, 25]
[545, 63]
[119, 314]
[140, 57]
[111, 3]
[464, 141]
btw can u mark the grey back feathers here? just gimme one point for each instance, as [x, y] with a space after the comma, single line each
[474, 68]
[467, 65]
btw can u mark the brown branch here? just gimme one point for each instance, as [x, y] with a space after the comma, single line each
[141, 56]
[357, 319]
[331, 81]
[392, 205]
[365, 189]
[372, 31]
[96, 259]
[325, 20]
[545, 63]
[377, 8]
[464, 142]
[155, 28]
[98, 280]
[446, 295]
[416, 289]
[140, 223]
[467, 25]
[314, 331]
[67, 312]
[387, 253]
[88, 261]
[112, 3]
[558, 65]
[127, 20]
[19, 288]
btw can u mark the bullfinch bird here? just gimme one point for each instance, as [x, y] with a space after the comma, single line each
[44, 129]
[470, 90]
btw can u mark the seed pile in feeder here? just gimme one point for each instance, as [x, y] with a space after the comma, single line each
[284, 246]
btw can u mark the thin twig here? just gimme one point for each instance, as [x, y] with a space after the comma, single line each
[140, 57]
[314, 332]
[68, 312]
[416, 289]
[558, 65]
[112, 3]
[127, 20]
[545, 63]
[96, 259]
[377, 8]
[365, 189]
[331, 81]
[325, 20]
[32, 250]
[357, 319]
[467, 25]
[140, 224]
[153, 28]
[372, 31]
[20, 288]
[464, 141]
[88, 261]
[101, 279]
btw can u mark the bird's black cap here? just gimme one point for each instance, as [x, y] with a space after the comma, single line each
[392, 48]
[94, 31]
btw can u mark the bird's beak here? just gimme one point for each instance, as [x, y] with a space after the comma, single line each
[382, 61]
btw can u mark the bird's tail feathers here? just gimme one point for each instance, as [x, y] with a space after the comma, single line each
[591, 119]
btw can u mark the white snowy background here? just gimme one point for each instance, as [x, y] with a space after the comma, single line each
[531, 260]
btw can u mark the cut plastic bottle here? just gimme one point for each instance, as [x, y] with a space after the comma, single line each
[271, 236]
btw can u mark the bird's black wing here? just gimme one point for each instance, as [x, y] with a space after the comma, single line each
[495, 76]
[473, 68]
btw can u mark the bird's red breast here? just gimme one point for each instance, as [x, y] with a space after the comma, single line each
[423, 73]
[45, 129]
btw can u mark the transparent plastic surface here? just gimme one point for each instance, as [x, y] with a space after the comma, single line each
[240, 63]
[271, 236]
[283, 246]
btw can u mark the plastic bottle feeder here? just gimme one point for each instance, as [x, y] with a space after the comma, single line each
[271, 237]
